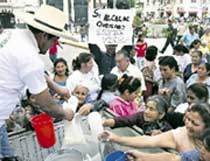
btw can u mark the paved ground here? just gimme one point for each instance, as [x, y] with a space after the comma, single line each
[69, 52]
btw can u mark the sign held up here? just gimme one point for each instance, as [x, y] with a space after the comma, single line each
[110, 26]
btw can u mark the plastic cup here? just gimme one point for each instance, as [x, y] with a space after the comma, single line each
[44, 129]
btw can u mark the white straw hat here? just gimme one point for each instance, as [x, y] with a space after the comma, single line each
[48, 19]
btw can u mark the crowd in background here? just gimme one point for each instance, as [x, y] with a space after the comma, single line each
[156, 93]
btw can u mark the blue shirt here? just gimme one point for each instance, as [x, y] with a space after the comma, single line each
[188, 38]
[192, 155]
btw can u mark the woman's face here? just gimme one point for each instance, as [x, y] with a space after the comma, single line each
[151, 113]
[202, 71]
[86, 67]
[194, 124]
[196, 59]
[60, 69]
[166, 72]
[81, 93]
[191, 97]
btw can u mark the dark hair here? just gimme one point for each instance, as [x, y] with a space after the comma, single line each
[203, 110]
[169, 61]
[61, 60]
[194, 43]
[198, 52]
[82, 58]
[206, 139]
[128, 49]
[191, 27]
[37, 31]
[140, 36]
[207, 65]
[128, 83]
[200, 90]
[161, 103]
[108, 82]
[181, 48]
[151, 53]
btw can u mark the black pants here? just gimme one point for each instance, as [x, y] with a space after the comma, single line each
[168, 41]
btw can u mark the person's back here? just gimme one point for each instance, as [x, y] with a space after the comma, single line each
[15, 65]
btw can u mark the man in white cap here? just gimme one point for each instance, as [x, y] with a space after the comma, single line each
[21, 67]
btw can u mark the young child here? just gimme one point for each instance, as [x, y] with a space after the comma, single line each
[151, 120]
[141, 47]
[124, 104]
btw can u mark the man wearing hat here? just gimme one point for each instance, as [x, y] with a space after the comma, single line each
[21, 67]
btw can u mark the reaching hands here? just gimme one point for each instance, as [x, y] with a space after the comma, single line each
[109, 123]
[109, 136]
[68, 114]
[137, 155]
[85, 109]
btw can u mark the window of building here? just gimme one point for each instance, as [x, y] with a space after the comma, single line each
[193, 1]
[3, 1]
[56, 3]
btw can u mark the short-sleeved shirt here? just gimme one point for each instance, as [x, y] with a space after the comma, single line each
[20, 68]
[131, 71]
[90, 80]
[178, 92]
[188, 38]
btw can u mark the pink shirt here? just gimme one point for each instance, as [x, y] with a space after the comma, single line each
[123, 108]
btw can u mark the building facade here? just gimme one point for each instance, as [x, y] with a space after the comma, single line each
[177, 8]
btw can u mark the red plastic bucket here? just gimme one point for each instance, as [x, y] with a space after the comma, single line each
[44, 129]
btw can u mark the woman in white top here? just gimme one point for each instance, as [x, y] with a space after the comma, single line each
[83, 72]
[183, 139]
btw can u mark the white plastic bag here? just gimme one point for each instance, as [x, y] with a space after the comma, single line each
[73, 133]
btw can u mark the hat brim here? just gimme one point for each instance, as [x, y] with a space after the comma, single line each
[28, 18]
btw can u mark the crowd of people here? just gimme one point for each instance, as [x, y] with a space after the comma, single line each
[166, 96]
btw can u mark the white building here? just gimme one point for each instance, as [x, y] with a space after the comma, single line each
[187, 8]
[176, 7]
[150, 7]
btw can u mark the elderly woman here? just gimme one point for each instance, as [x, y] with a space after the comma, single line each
[183, 139]
[151, 120]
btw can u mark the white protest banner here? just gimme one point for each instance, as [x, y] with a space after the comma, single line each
[110, 26]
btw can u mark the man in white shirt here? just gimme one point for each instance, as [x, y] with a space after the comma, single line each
[125, 67]
[21, 67]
